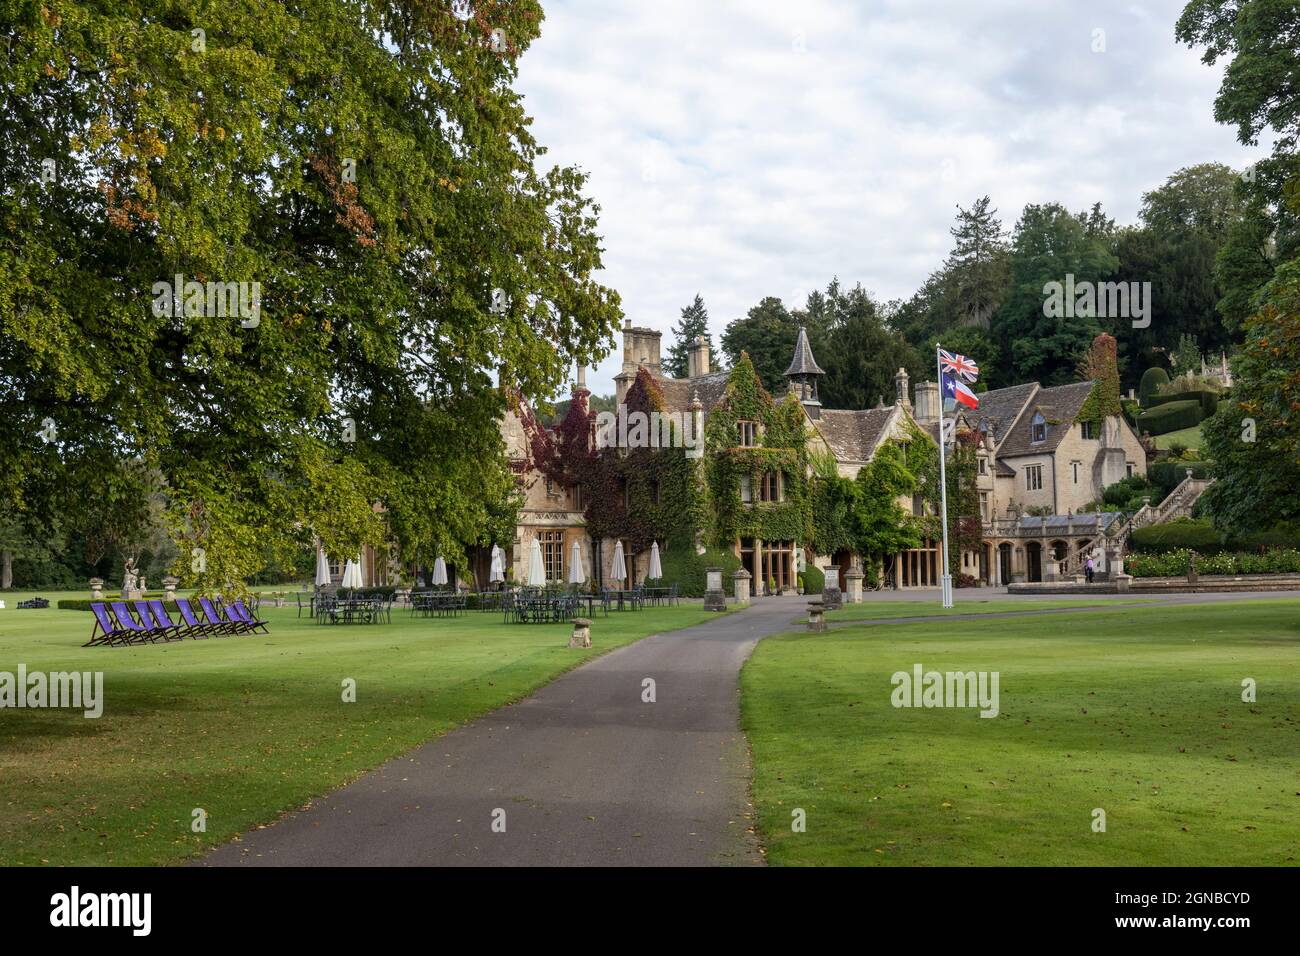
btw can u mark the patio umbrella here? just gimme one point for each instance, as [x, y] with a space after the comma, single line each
[352, 573]
[576, 574]
[656, 570]
[440, 571]
[536, 572]
[498, 572]
[618, 567]
[322, 568]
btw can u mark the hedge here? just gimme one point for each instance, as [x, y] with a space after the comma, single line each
[1175, 563]
[1168, 475]
[1200, 535]
[1208, 400]
[1171, 417]
[685, 568]
[814, 581]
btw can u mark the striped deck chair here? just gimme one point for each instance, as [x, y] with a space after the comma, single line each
[110, 631]
[212, 614]
[137, 633]
[238, 610]
[197, 628]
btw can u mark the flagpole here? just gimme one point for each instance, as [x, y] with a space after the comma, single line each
[945, 590]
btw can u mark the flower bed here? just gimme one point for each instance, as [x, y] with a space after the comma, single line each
[1175, 563]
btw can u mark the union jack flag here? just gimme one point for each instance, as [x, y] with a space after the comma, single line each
[958, 365]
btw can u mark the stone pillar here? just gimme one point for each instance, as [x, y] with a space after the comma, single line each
[832, 599]
[853, 582]
[740, 583]
[581, 636]
[1018, 565]
[816, 616]
[169, 588]
[97, 589]
[715, 599]
[1192, 576]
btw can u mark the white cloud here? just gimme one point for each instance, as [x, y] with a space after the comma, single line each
[754, 148]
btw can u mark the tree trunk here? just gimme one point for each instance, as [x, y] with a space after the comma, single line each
[6, 570]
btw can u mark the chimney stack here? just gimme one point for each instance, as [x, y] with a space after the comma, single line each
[927, 402]
[900, 389]
[697, 358]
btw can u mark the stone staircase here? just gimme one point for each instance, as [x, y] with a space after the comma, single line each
[1178, 504]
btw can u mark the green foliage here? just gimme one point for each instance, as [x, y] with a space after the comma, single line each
[1153, 379]
[782, 448]
[693, 324]
[1131, 409]
[1177, 562]
[1200, 535]
[814, 581]
[1254, 435]
[1101, 367]
[835, 505]
[1170, 417]
[1187, 357]
[233, 163]
[687, 569]
[1168, 475]
[1050, 243]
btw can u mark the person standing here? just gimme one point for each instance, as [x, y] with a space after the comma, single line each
[1087, 571]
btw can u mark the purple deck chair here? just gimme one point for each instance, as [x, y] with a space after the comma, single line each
[237, 609]
[212, 614]
[113, 633]
[196, 627]
[162, 621]
[137, 632]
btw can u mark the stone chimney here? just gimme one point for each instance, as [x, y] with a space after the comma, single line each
[927, 402]
[640, 348]
[697, 358]
[900, 389]
[580, 382]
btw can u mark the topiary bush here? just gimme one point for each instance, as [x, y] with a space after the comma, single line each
[1150, 383]
[814, 581]
[1171, 417]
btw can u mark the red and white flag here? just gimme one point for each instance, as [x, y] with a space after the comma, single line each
[958, 392]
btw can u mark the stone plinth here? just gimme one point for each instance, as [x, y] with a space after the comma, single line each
[831, 596]
[169, 588]
[581, 633]
[97, 589]
[816, 616]
[853, 584]
[740, 585]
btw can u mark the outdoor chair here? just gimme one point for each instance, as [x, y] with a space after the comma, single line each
[161, 616]
[237, 609]
[110, 631]
[197, 627]
[137, 633]
[310, 605]
[212, 614]
[158, 626]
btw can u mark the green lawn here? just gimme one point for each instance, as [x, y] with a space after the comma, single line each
[1137, 712]
[1187, 437]
[882, 610]
[248, 727]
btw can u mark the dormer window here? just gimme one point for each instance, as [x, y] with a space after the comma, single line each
[748, 434]
[1038, 428]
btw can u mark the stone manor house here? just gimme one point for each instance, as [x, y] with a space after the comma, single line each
[1038, 465]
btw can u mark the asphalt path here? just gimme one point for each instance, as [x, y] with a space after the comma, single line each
[588, 771]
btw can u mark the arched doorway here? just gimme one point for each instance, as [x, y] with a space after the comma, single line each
[1034, 561]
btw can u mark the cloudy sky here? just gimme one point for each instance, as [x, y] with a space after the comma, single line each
[760, 148]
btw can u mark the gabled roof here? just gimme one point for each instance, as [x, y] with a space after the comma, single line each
[680, 392]
[854, 435]
[803, 362]
[1059, 405]
[1001, 407]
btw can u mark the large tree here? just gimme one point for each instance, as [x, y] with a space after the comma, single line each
[1050, 244]
[372, 168]
[767, 333]
[693, 324]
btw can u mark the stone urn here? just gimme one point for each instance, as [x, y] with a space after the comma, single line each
[169, 587]
[97, 589]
